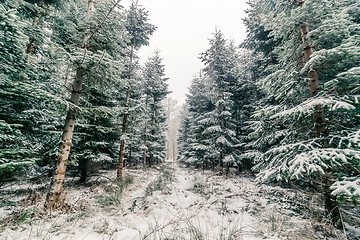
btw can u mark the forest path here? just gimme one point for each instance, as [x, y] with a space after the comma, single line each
[169, 202]
[189, 204]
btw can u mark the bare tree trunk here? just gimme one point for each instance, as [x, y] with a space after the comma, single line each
[84, 164]
[151, 160]
[125, 119]
[331, 205]
[168, 151]
[145, 132]
[220, 121]
[53, 196]
[144, 158]
[123, 131]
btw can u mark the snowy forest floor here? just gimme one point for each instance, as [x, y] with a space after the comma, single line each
[165, 202]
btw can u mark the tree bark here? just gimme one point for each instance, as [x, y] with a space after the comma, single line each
[220, 121]
[168, 130]
[125, 119]
[331, 205]
[151, 160]
[84, 164]
[145, 132]
[123, 131]
[54, 194]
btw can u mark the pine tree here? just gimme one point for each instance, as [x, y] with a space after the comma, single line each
[246, 97]
[37, 103]
[220, 67]
[294, 148]
[192, 144]
[15, 151]
[139, 30]
[155, 91]
[94, 54]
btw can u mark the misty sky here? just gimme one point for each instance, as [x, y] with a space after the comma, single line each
[183, 30]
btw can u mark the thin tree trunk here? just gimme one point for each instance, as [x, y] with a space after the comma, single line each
[331, 205]
[151, 162]
[123, 131]
[125, 119]
[30, 46]
[84, 164]
[168, 130]
[144, 158]
[145, 132]
[53, 196]
[220, 121]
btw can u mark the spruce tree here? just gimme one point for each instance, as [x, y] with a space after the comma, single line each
[15, 95]
[305, 107]
[138, 30]
[86, 36]
[220, 68]
[155, 89]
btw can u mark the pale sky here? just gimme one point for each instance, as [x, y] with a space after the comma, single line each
[183, 31]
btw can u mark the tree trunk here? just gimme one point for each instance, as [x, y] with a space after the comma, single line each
[53, 196]
[151, 160]
[144, 158]
[84, 164]
[30, 46]
[123, 131]
[145, 131]
[220, 120]
[126, 114]
[168, 144]
[331, 205]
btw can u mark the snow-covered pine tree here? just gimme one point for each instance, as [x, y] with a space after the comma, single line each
[192, 143]
[220, 68]
[246, 97]
[155, 91]
[138, 30]
[298, 149]
[183, 133]
[93, 45]
[258, 38]
[36, 104]
[15, 151]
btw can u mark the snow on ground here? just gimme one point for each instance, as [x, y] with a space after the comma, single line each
[168, 202]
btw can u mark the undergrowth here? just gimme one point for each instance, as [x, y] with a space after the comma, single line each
[115, 191]
[161, 182]
[22, 216]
